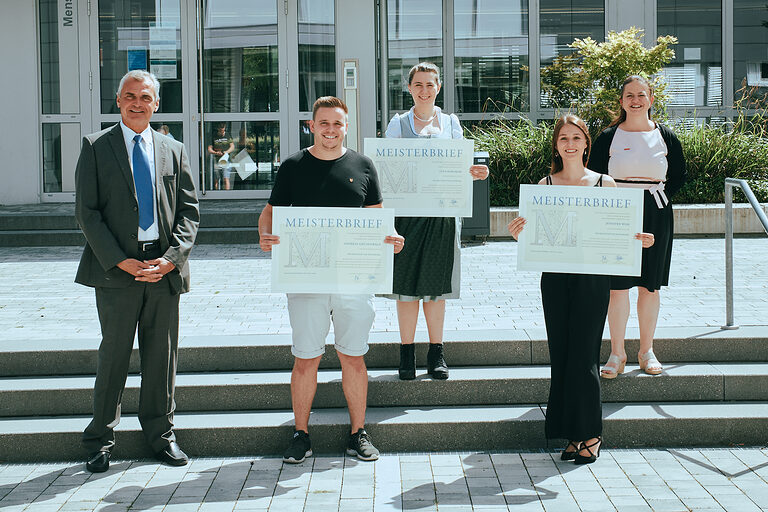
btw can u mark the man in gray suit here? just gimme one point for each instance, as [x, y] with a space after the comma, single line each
[136, 203]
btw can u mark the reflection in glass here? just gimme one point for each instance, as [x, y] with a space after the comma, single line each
[49, 56]
[695, 75]
[750, 40]
[240, 56]
[562, 21]
[491, 40]
[306, 138]
[415, 30]
[317, 54]
[252, 151]
[52, 158]
[173, 130]
[140, 34]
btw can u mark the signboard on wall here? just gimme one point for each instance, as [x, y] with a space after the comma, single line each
[69, 63]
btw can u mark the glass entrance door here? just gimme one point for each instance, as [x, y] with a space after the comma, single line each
[238, 78]
[240, 59]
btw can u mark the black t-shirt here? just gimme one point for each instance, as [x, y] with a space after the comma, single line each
[349, 181]
[220, 142]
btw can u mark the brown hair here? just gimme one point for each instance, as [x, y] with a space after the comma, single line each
[557, 160]
[328, 102]
[623, 113]
[426, 67]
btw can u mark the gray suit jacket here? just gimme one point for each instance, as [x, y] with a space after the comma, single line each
[107, 209]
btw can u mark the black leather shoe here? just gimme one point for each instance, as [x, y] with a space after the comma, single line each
[172, 455]
[436, 366]
[407, 370]
[98, 462]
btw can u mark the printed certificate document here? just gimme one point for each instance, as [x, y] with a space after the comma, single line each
[580, 230]
[332, 250]
[424, 177]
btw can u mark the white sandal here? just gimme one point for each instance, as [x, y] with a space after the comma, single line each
[649, 364]
[613, 367]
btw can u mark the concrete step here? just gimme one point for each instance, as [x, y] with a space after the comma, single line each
[237, 391]
[396, 429]
[489, 347]
[222, 222]
[41, 238]
[68, 237]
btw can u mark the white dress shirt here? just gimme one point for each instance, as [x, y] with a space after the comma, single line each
[152, 232]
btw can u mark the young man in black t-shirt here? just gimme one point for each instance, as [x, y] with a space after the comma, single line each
[327, 175]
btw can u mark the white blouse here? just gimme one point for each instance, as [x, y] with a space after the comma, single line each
[638, 156]
[450, 128]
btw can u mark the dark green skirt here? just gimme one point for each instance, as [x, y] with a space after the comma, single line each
[425, 265]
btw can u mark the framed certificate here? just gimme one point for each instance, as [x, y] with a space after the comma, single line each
[580, 230]
[332, 250]
[424, 177]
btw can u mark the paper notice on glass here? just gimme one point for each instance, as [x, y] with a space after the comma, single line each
[424, 177]
[244, 164]
[580, 230]
[332, 250]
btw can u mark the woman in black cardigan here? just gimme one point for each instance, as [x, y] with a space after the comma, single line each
[639, 152]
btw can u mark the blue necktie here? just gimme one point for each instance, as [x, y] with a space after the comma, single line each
[143, 181]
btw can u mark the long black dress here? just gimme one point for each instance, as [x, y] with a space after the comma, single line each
[575, 308]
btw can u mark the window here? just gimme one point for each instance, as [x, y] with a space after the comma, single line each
[562, 21]
[317, 52]
[695, 76]
[135, 34]
[415, 34]
[750, 40]
[491, 62]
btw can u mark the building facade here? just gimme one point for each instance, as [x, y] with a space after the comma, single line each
[243, 74]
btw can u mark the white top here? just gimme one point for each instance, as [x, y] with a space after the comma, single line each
[449, 128]
[152, 232]
[638, 156]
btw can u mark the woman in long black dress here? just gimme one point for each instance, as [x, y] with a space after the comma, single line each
[575, 307]
[641, 153]
[428, 268]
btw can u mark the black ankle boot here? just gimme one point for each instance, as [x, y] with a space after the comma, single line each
[407, 362]
[436, 366]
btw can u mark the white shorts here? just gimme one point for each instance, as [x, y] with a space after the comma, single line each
[311, 314]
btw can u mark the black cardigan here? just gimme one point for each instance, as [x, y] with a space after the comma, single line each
[598, 158]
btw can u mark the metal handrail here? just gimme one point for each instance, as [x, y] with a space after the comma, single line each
[729, 184]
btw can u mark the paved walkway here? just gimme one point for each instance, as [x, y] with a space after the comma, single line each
[231, 295]
[625, 480]
[230, 292]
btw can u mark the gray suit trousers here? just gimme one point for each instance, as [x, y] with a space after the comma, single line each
[155, 310]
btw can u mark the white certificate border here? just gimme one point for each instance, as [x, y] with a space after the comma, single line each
[634, 270]
[382, 287]
[420, 210]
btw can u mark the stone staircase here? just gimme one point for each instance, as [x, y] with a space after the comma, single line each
[235, 222]
[53, 224]
[233, 396]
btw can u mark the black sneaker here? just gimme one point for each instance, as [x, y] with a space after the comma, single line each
[300, 448]
[360, 446]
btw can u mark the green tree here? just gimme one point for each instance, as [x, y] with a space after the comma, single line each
[588, 80]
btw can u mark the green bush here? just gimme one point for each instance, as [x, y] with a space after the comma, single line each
[714, 153]
[520, 152]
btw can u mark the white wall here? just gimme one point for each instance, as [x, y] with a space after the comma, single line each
[355, 39]
[19, 131]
